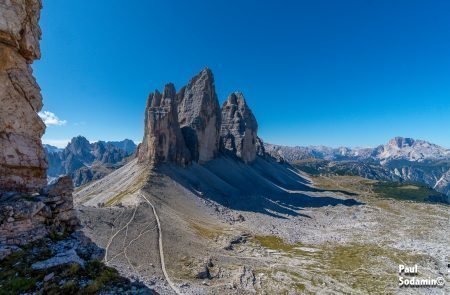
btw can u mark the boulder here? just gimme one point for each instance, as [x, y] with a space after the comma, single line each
[67, 257]
[62, 187]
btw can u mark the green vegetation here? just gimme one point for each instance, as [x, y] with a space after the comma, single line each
[17, 276]
[206, 232]
[300, 287]
[407, 191]
[310, 166]
[70, 287]
[366, 267]
[101, 275]
[17, 285]
[274, 243]
[132, 189]
[277, 244]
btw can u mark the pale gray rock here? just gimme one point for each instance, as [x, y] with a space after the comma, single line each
[63, 187]
[67, 257]
[199, 116]
[19, 26]
[400, 148]
[260, 150]
[443, 184]
[246, 280]
[163, 140]
[24, 219]
[238, 132]
[22, 158]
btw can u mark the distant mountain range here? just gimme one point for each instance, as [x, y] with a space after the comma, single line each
[401, 159]
[85, 161]
[398, 148]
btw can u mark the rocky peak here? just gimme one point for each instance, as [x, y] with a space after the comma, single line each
[189, 126]
[79, 146]
[107, 153]
[411, 150]
[51, 149]
[199, 116]
[239, 128]
[163, 141]
[22, 158]
[401, 142]
[127, 145]
[169, 92]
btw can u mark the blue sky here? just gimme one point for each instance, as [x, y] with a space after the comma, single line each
[352, 73]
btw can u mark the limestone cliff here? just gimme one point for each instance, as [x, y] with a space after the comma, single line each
[199, 116]
[22, 158]
[238, 132]
[189, 126]
[163, 141]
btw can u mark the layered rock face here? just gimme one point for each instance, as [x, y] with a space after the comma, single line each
[189, 126]
[163, 141]
[24, 219]
[199, 116]
[239, 128]
[22, 157]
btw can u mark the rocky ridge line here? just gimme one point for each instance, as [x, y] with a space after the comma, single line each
[85, 161]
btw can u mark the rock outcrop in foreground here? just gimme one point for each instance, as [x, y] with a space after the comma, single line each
[22, 157]
[24, 219]
[189, 126]
[25, 216]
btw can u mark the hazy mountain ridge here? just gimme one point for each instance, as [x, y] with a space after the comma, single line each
[401, 159]
[85, 161]
[398, 148]
[51, 149]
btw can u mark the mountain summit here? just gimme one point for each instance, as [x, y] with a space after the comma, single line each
[238, 128]
[189, 126]
[411, 150]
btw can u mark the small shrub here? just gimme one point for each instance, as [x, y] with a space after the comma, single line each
[70, 287]
[18, 285]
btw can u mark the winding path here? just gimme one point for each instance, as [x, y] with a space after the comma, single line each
[113, 236]
[161, 250]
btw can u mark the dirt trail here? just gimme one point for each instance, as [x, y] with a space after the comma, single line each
[114, 235]
[161, 249]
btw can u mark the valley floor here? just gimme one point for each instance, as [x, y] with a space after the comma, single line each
[267, 229]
